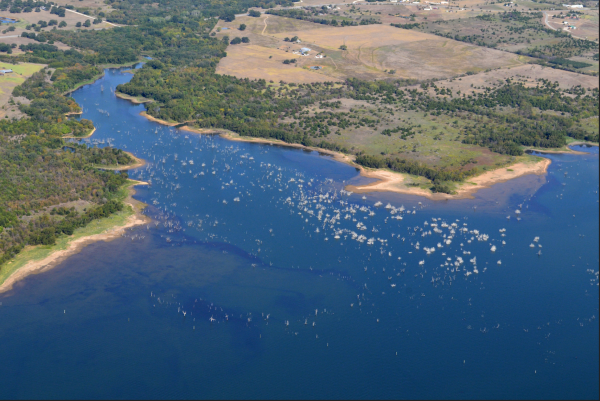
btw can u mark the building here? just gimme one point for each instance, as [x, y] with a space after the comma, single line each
[4, 72]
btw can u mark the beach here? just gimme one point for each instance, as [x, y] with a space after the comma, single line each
[394, 182]
[81, 137]
[131, 98]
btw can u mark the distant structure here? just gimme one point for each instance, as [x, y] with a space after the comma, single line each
[4, 72]
[573, 5]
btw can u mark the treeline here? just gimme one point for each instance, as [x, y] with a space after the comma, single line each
[44, 230]
[569, 63]
[137, 12]
[313, 15]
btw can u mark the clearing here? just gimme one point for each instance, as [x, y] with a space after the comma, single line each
[527, 74]
[9, 81]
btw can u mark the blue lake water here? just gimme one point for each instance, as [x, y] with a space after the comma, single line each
[245, 235]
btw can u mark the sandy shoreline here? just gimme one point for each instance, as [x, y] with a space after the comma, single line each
[565, 150]
[394, 182]
[131, 98]
[56, 257]
[81, 137]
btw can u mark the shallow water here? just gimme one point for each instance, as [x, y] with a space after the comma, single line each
[109, 322]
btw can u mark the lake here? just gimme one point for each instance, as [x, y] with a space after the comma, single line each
[260, 277]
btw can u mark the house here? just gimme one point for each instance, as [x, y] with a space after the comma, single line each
[4, 72]
[305, 50]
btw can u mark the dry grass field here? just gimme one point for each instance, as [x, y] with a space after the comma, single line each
[70, 18]
[19, 41]
[526, 74]
[398, 13]
[260, 62]
[373, 51]
[34, 17]
[263, 57]
[9, 81]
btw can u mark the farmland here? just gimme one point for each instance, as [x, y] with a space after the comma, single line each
[371, 51]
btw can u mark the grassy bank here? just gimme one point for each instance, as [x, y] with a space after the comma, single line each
[39, 252]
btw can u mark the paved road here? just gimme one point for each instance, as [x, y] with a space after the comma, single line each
[547, 23]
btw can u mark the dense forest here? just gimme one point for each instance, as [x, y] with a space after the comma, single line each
[38, 169]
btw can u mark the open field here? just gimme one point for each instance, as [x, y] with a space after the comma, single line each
[24, 41]
[399, 13]
[434, 140]
[70, 18]
[265, 63]
[373, 49]
[26, 19]
[372, 52]
[527, 74]
[9, 81]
